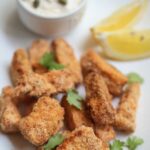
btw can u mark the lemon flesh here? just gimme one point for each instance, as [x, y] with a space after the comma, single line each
[126, 44]
[123, 17]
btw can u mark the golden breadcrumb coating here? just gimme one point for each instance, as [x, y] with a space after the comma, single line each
[126, 112]
[38, 49]
[61, 79]
[9, 114]
[64, 55]
[98, 99]
[74, 117]
[105, 133]
[82, 138]
[43, 122]
[20, 65]
[115, 79]
[33, 85]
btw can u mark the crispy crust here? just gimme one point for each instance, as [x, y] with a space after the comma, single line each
[105, 133]
[33, 85]
[115, 79]
[74, 117]
[61, 79]
[37, 50]
[64, 55]
[43, 122]
[20, 65]
[98, 99]
[82, 138]
[9, 114]
[126, 112]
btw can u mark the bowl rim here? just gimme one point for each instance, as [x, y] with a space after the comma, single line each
[81, 5]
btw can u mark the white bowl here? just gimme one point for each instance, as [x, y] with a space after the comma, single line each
[51, 26]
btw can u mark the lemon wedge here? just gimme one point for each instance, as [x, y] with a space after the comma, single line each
[124, 17]
[126, 44]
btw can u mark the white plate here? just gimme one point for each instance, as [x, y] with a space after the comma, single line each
[13, 35]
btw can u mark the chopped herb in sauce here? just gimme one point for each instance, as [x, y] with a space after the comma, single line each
[36, 3]
[63, 2]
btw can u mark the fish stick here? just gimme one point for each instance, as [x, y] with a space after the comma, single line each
[61, 79]
[105, 133]
[82, 138]
[126, 113]
[36, 52]
[9, 113]
[33, 85]
[20, 65]
[43, 122]
[64, 55]
[74, 117]
[114, 79]
[98, 99]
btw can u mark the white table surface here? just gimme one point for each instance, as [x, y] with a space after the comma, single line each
[13, 35]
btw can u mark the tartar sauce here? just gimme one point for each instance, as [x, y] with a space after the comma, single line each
[50, 8]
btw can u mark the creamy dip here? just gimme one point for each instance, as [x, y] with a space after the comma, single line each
[50, 8]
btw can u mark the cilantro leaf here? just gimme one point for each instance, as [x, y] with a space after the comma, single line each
[74, 99]
[54, 142]
[56, 66]
[48, 61]
[116, 145]
[133, 142]
[135, 78]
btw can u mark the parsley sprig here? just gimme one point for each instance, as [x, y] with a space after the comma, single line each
[48, 61]
[117, 145]
[132, 143]
[54, 142]
[74, 98]
[134, 78]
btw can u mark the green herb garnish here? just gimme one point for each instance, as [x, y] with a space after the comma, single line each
[36, 3]
[116, 145]
[133, 142]
[48, 61]
[74, 99]
[134, 78]
[63, 2]
[54, 142]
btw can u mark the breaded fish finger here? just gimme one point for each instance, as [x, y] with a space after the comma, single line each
[115, 79]
[98, 99]
[61, 79]
[9, 114]
[33, 85]
[20, 65]
[74, 117]
[126, 112]
[38, 49]
[105, 133]
[64, 55]
[82, 138]
[43, 122]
